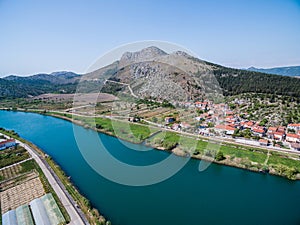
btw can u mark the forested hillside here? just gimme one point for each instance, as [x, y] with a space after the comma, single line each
[234, 81]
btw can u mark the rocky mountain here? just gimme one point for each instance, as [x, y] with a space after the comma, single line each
[145, 54]
[153, 73]
[284, 71]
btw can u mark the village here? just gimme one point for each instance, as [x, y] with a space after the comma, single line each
[218, 120]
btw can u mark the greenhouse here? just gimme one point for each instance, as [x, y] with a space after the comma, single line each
[52, 209]
[9, 218]
[24, 216]
[39, 212]
[42, 211]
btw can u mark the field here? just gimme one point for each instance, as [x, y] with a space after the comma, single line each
[10, 172]
[12, 155]
[57, 101]
[21, 194]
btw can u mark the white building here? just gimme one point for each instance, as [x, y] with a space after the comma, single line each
[294, 126]
[292, 138]
[7, 143]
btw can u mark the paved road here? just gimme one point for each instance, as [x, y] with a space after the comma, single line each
[77, 217]
[241, 142]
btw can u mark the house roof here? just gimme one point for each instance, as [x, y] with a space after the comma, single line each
[278, 133]
[294, 125]
[263, 141]
[7, 141]
[249, 123]
[184, 124]
[224, 127]
[272, 129]
[229, 117]
[292, 135]
[257, 130]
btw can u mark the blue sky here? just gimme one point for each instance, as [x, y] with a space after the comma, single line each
[45, 36]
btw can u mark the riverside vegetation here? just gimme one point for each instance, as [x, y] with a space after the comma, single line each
[250, 158]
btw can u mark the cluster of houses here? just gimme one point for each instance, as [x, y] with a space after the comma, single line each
[7, 143]
[289, 136]
[218, 119]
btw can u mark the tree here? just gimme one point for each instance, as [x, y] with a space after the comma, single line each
[236, 133]
[154, 119]
[99, 126]
[263, 122]
[210, 125]
[291, 131]
[220, 156]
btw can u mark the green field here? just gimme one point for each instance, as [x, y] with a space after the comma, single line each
[12, 155]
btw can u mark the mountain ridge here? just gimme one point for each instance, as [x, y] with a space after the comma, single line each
[151, 72]
[284, 71]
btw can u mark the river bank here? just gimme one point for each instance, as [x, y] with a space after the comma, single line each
[247, 158]
[190, 193]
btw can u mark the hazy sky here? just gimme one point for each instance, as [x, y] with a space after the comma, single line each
[45, 36]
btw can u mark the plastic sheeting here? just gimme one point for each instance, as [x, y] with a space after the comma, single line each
[39, 212]
[24, 216]
[9, 218]
[52, 209]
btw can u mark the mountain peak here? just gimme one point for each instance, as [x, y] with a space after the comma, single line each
[64, 74]
[145, 54]
[184, 54]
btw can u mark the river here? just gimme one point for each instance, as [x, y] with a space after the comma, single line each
[218, 195]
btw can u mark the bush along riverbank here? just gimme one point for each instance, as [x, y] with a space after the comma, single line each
[92, 214]
[245, 157]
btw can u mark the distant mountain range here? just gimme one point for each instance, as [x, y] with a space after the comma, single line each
[284, 71]
[154, 73]
[61, 77]
[19, 86]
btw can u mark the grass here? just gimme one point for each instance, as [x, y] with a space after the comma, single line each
[28, 166]
[12, 155]
[132, 132]
[167, 140]
[247, 157]
[291, 163]
[253, 156]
